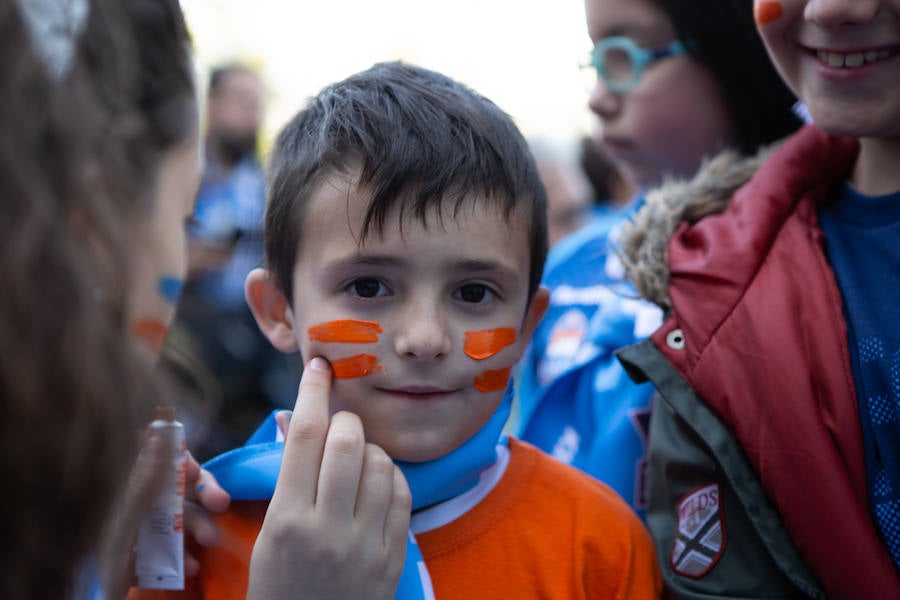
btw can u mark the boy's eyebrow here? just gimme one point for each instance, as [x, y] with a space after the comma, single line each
[477, 265]
[373, 260]
[467, 265]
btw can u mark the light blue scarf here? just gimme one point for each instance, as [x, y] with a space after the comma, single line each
[251, 471]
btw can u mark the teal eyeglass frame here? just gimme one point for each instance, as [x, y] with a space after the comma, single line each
[641, 58]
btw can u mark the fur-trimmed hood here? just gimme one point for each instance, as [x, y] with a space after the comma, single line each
[645, 241]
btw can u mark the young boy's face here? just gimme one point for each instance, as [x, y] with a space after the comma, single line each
[841, 57]
[421, 324]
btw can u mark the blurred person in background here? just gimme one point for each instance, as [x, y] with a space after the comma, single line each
[215, 345]
[676, 81]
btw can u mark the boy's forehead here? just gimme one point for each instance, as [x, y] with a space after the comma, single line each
[343, 196]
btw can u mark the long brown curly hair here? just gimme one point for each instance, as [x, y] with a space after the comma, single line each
[78, 154]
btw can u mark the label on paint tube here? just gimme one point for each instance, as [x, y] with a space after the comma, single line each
[160, 545]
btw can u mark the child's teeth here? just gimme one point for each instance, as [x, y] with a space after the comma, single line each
[857, 59]
[835, 60]
[854, 60]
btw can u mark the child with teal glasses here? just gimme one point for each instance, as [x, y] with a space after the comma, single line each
[674, 82]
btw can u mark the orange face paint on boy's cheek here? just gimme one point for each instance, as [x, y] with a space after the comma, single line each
[492, 381]
[359, 365]
[766, 11]
[345, 331]
[150, 331]
[480, 345]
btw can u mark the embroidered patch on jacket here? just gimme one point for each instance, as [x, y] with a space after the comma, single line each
[700, 539]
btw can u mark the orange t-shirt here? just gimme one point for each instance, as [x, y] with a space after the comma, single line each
[545, 531]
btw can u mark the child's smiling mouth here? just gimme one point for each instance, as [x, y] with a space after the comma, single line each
[852, 59]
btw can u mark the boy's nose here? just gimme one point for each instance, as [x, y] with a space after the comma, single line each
[422, 333]
[834, 13]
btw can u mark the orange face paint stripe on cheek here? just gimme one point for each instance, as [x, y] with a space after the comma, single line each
[346, 331]
[492, 381]
[484, 344]
[150, 331]
[358, 365]
[767, 11]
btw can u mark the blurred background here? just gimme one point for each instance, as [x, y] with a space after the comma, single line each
[522, 54]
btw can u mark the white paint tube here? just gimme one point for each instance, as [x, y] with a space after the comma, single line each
[160, 544]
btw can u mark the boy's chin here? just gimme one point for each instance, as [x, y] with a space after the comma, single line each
[418, 447]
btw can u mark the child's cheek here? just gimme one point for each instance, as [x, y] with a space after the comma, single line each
[358, 365]
[767, 11]
[481, 345]
[152, 330]
[346, 331]
[492, 380]
[169, 288]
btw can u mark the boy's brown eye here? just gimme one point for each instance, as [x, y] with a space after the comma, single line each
[472, 293]
[366, 288]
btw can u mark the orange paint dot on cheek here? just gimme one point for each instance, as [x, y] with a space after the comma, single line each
[484, 344]
[767, 11]
[358, 365]
[492, 381]
[346, 331]
[150, 331]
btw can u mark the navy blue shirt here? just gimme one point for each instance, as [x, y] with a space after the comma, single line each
[863, 247]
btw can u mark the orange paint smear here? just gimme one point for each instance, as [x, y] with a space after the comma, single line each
[766, 12]
[150, 331]
[485, 344]
[492, 381]
[346, 331]
[359, 365]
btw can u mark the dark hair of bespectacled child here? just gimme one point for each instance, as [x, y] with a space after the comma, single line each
[721, 34]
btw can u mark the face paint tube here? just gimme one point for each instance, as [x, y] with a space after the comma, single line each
[160, 545]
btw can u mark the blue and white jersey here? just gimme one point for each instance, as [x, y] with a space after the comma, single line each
[575, 400]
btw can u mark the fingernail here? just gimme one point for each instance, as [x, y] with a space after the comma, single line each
[318, 364]
[201, 487]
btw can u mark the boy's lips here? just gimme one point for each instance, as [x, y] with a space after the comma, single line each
[418, 392]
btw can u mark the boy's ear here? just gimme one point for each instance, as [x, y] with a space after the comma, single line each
[270, 309]
[536, 310]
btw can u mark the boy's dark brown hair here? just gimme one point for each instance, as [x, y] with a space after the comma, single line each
[421, 139]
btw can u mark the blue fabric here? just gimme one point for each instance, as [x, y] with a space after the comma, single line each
[251, 471]
[574, 399]
[231, 207]
[863, 247]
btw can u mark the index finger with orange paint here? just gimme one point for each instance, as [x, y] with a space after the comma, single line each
[304, 443]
